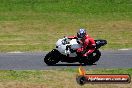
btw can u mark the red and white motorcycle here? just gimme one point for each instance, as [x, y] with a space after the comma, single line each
[65, 51]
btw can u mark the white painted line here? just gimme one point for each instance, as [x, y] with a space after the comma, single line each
[124, 49]
[15, 52]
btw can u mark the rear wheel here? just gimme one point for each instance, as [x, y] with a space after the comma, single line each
[52, 57]
[92, 58]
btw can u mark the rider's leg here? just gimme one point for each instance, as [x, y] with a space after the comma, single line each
[88, 52]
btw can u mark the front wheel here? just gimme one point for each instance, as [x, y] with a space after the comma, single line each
[52, 57]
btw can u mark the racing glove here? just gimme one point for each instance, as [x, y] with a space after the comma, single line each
[79, 50]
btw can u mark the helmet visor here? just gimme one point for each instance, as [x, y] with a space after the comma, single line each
[80, 35]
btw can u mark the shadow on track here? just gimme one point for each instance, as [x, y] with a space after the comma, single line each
[73, 65]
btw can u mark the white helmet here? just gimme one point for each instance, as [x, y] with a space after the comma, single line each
[81, 33]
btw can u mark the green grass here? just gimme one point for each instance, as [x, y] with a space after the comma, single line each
[35, 25]
[39, 75]
[57, 78]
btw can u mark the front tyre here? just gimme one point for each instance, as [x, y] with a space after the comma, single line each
[52, 57]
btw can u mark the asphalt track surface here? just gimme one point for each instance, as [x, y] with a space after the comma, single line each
[34, 61]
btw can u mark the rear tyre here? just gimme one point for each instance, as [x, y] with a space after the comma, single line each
[94, 57]
[87, 61]
[52, 57]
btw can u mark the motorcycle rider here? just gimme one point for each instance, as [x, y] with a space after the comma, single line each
[88, 43]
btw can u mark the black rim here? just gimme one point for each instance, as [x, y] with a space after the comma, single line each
[93, 57]
[50, 59]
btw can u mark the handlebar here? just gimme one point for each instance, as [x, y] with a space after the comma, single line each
[65, 41]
